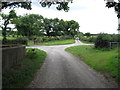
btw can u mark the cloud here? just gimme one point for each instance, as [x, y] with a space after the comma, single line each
[92, 15]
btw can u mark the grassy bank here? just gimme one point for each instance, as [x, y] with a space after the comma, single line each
[22, 74]
[57, 42]
[105, 61]
[87, 42]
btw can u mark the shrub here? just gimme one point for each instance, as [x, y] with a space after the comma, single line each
[31, 53]
[67, 37]
[115, 38]
[38, 40]
[20, 40]
[51, 38]
[91, 39]
[102, 41]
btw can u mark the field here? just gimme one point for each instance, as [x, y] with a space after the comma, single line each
[57, 42]
[105, 61]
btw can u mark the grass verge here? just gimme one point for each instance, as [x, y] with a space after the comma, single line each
[57, 42]
[105, 61]
[23, 72]
[87, 42]
[30, 43]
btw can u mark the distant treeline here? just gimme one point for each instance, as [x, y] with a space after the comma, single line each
[37, 25]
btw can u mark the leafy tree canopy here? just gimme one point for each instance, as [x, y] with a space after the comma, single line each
[25, 5]
[115, 5]
[38, 25]
[61, 5]
[7, 20]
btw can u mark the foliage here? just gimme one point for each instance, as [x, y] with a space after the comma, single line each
[56, 27]
[87, 34]
[37, 25]
[51, 38]
[61, 5]
[102, 41]
[20, 75]
[27, 4]
[19, 40]
[7, 20]
[105, 61]
[30, 28]
[58, 42]
[116, 6]
[87, 42]
[90, 39]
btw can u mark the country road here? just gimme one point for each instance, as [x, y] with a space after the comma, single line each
[63, 70]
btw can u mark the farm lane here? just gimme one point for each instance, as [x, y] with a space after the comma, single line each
[63, 70]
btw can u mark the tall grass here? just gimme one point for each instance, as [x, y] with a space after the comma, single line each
[20, 75]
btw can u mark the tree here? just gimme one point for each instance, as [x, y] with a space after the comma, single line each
[114, 4]
[7, 20]
[71, 28]
[10, 4]
[61, 5]
[74, 27]
[47, 26]
[87, 34]
[56, 27]
[38, 25]
[26, 4]
[29, 25]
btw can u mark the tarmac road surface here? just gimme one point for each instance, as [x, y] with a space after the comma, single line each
[63, 70]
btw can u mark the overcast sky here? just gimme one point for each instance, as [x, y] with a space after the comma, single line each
[92, 15]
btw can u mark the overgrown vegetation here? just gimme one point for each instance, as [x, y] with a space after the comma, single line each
[19, 40]
[103, 40]
[87, 37]
[23, 72]
[103, 60]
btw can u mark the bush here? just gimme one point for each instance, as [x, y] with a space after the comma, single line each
[20, 40]
[31, 53]
[38, 40]
[51, 38]
[89, 39]
[115, 38]
[102, 41]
